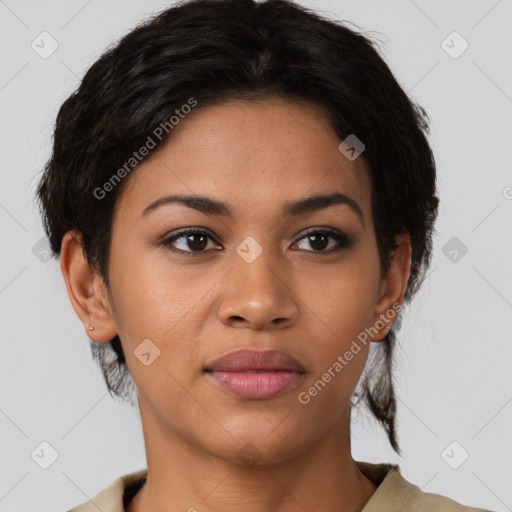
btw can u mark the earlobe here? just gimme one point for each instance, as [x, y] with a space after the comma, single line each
[86, 290]
[393, 288]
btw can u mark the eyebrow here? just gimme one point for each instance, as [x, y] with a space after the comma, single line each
[211, 206]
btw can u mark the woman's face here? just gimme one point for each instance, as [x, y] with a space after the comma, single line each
[257, 280]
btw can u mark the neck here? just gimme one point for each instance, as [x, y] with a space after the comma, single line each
[184, 477]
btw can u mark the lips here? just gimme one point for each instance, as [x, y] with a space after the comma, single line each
[253, 375]
[244, 360]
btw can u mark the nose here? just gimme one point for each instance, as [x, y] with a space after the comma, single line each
[258, 295]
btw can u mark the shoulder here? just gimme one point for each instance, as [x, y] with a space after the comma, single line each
[111, 498]
[413, 499]
[394, 493]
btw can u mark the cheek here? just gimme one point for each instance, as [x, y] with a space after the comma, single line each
[341, 298]
[341, 350]
[151, 294]
[342, 305]
[164, 303]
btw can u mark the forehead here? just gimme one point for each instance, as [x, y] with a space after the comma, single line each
[251, 153]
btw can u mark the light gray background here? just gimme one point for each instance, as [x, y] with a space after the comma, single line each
[454, 379]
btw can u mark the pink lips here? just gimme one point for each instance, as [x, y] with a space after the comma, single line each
[256, 375]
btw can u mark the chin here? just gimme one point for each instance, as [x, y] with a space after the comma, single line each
[255, 446]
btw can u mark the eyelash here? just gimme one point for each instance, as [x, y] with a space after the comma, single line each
[344, 242]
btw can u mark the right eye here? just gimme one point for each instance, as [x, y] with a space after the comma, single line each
[191, 240]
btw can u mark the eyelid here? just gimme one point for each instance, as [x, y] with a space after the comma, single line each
[321, 229]
[185, 231]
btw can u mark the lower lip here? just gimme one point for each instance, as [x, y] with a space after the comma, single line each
[257, 385]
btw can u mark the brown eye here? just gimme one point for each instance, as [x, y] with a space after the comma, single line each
[189, 241]
[320, 240]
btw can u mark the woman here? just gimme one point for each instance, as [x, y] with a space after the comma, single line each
[242, 198]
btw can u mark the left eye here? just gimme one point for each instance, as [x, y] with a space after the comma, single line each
[319, 241]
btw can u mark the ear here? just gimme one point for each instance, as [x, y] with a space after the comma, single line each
[86, 289]
[393, 287]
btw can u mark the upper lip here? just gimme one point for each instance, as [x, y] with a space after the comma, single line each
[244, 359]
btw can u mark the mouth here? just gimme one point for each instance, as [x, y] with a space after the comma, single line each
[256, 385]
[256, 375]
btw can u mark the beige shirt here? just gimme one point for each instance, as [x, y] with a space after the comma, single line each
[393, 493]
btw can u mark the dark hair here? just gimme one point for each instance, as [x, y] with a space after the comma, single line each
[213, 51]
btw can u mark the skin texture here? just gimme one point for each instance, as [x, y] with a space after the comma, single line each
[254, 156]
